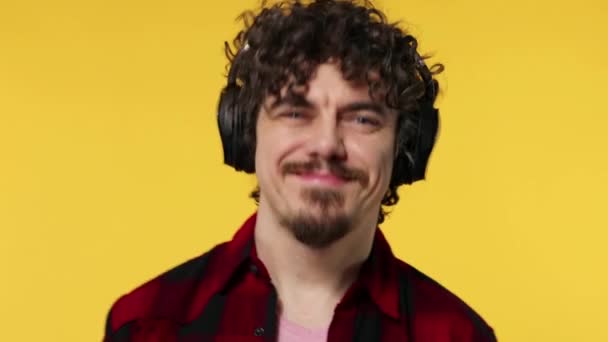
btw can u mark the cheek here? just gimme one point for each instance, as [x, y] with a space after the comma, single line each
[273, 144]
[264, 154]
[383, 167]
[387, 170]
[376, 157]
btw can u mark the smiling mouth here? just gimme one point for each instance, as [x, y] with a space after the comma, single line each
[321, 178]
[333, 175]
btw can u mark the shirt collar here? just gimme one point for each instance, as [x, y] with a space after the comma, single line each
[378, 275]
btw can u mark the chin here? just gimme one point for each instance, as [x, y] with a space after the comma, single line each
[317, 229]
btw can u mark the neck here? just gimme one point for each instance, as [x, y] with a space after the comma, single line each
[310, 282]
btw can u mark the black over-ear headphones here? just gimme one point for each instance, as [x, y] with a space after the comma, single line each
[410, 162]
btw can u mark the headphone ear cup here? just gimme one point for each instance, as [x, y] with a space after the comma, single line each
[237, 152]
[401, 170]
[429, 126]
[411, 162]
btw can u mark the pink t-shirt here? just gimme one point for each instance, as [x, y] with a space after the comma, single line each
[291, 332]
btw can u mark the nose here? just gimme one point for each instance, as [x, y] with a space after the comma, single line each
[327, 140]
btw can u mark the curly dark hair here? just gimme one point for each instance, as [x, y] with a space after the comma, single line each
[282, 44]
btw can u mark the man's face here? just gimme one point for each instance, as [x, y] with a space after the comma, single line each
[324, 157]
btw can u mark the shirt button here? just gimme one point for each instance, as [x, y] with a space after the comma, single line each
[253, 268]
[258, 332]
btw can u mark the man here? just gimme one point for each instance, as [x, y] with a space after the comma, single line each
[332, 108]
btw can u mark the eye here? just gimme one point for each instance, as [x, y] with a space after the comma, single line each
[366, 120]
[293, 115]
[363, 121]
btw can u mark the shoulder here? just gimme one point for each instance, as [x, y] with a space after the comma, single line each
[439, 310]
[165, 296]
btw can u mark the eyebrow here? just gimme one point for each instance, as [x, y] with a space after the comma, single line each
[292, 100]
[364, 105]
[300, 101]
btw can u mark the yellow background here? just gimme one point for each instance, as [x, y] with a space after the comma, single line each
[111, 168]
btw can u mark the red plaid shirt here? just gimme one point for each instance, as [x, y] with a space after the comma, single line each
[226, 295]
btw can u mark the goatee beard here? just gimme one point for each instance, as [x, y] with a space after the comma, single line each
[319, 230]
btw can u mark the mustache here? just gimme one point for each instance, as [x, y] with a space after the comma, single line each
[335, 168]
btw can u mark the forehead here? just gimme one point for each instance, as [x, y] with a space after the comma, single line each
[326, 86]
[328, 83]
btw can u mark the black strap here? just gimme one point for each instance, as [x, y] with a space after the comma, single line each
[406, 303]
[208, 322]
[108, 328]
[123, 334]
[270, 330]
[367, 326]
